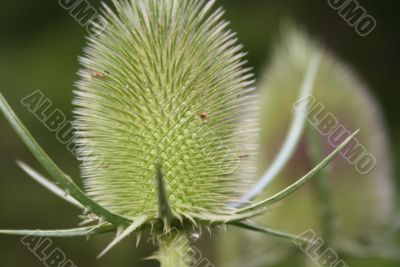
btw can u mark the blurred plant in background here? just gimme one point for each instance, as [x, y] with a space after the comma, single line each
[352, 211]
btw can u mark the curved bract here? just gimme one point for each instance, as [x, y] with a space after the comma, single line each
[163, 85]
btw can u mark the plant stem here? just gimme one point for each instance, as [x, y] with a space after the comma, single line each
[175, 250]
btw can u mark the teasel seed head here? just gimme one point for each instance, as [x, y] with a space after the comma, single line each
[169, 100]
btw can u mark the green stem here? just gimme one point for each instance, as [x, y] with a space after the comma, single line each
[175, 250]
[324, 186]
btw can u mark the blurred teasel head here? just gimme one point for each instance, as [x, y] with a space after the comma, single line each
[338, 94]
[351, 203]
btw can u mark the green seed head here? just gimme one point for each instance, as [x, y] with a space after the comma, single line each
[163, 85]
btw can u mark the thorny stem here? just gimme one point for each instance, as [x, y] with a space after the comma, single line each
[175, 250]
[316, 151]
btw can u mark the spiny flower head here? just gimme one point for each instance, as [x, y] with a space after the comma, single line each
[163, 87]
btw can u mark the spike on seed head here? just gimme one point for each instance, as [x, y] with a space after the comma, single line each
[158, 49]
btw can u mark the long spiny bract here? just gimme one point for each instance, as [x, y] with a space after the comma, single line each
[163, 84]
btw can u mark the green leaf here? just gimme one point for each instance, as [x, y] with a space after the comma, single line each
[60, 177]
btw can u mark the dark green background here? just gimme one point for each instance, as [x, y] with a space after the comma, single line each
[39, 45]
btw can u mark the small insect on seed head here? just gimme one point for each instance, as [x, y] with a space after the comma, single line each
[204, 115]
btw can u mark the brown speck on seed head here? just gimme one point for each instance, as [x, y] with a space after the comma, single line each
[96, 74]
[204, 115]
